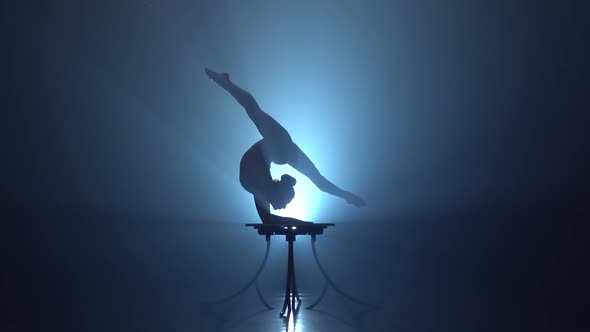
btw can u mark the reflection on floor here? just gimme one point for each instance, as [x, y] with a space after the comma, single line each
[246, 315]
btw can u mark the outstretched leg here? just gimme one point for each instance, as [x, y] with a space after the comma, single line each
[301, 162]
[242, 96]
[267, 126]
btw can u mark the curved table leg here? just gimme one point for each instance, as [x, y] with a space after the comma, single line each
[261, 298]
[249, 283]
[319, 299]
[329, 282]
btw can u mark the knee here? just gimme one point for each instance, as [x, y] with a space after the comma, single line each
[249, 102]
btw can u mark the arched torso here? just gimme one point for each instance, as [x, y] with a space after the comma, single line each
[255, 174]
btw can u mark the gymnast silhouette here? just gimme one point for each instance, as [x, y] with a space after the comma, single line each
[276, 146]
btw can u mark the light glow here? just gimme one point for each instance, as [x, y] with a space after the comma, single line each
[305, 203]
[293, 325]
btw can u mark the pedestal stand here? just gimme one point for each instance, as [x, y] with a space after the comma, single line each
[290, 232]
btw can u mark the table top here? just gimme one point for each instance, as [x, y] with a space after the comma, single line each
[299, 229]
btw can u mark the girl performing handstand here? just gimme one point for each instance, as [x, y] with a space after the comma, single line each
[276, 146]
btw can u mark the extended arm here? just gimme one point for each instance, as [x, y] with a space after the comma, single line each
[301, 162]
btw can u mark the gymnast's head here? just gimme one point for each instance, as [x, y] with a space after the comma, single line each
[282, 191]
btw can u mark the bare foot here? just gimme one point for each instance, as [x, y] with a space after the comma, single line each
[216, 77]
[354, 200]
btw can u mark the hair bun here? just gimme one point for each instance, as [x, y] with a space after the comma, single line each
[288, 179]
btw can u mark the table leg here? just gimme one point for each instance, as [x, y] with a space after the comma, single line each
[288, 289]
[294, 284]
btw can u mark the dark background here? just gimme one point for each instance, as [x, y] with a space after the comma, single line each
[459, 122]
